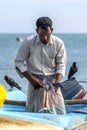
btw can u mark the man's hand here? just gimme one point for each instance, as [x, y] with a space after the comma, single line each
[36, 83]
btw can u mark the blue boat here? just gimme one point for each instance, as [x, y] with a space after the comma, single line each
[14, 117]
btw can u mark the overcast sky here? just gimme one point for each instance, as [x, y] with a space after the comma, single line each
[19, 16]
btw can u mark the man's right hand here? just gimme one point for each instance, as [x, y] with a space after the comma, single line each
[36, 83]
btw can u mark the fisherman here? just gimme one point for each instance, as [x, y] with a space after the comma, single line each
[41, 59]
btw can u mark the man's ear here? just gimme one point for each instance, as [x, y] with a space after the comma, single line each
[37, 30]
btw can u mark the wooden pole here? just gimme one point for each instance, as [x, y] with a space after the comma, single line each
[67, 102]
[76, 101]
[15, 102]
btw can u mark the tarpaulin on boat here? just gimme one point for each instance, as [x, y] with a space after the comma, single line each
[79, 108]
[68, 121]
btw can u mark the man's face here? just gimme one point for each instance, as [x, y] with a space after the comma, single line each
[44, 35]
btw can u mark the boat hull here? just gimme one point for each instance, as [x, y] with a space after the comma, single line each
[16, 124]
[13, 116]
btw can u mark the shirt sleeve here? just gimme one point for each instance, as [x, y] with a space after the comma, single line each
[21, 57]
[61, 59]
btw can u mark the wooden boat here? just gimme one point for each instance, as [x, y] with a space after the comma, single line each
[14, 117]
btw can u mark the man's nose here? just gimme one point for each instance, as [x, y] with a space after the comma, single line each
[45, 37]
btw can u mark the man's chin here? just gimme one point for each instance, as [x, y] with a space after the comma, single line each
[44, 42]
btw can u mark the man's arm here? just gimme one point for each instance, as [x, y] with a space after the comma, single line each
[32, 79]
[21, 67]
[58, 77]
[61, 60]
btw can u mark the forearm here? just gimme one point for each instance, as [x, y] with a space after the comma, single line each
[37, 83]
[25, 74]
[28, 76]
[58, 77]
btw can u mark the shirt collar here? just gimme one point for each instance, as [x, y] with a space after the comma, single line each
[38, 40]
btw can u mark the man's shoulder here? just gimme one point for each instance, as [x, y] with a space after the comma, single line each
[56, 39]
[32, 37]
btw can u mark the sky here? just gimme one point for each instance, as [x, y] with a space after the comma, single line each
[19, 16]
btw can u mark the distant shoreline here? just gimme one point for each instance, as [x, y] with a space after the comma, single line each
[35, 32]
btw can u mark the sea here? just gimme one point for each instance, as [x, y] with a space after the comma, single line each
[76, 48]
